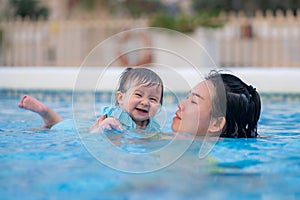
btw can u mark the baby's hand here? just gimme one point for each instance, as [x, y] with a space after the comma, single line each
[110, 123]
[106, 124]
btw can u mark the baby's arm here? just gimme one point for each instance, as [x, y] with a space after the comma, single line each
[103, 124]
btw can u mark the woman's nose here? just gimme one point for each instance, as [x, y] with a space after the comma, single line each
[180, 106]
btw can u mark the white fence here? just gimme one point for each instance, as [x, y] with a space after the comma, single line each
[262, 40]
[55, 43]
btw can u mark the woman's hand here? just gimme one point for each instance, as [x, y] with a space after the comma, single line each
[103, 124]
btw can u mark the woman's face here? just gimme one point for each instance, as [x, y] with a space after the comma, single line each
[194, 113]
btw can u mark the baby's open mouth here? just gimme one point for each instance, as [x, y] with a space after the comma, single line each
[142, 110]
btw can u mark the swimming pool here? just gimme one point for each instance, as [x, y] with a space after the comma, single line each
[52, 164]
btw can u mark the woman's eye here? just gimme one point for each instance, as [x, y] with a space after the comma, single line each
[194, 102]
[138, 94]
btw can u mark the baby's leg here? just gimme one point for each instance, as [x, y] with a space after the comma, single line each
[49, 116]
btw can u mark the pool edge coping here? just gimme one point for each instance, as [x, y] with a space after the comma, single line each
[265, 79]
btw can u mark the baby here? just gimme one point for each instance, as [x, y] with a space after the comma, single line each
[138, 98]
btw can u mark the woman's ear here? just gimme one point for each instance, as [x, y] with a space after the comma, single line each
[217, 125]
[119, 97]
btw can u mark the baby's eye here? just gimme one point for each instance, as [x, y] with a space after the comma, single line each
[153, 100]
[138, 94]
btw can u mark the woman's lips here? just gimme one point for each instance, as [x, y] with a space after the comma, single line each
[177, 116]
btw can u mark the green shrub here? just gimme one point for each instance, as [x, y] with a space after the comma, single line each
[185, 23]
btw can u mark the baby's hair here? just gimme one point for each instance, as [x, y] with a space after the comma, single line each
[139, 76]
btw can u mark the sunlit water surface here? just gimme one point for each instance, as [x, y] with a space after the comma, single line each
[56, 164]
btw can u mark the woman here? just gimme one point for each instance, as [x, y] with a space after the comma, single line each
[220, 105]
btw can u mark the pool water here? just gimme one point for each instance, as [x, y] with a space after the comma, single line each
[55, 164]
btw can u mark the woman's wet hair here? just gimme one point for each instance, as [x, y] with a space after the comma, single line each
[132, 77]
[242, 102]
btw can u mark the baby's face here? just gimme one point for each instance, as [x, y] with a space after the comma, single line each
[141, 102]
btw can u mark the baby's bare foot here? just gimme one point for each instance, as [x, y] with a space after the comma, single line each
[49, 116]
[30, 103]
